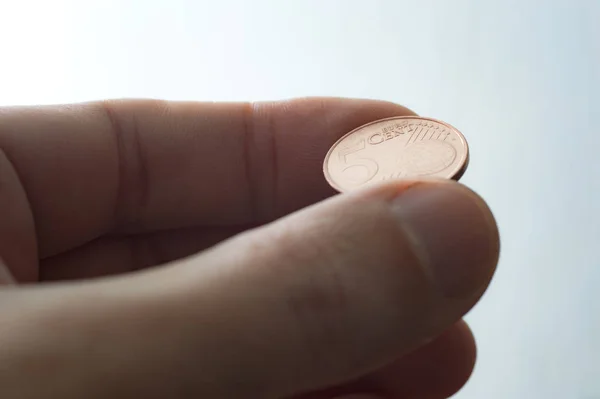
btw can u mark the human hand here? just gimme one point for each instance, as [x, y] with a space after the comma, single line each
[267, 289]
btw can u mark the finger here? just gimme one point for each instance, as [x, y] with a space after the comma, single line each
[311, 301]
[147, 165]
[110, 255]
[436, 370]
[18, 244]
[351, 294]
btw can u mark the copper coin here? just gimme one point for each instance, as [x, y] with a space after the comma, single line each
[396, 148]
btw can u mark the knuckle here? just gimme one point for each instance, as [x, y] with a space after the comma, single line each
[260, 159]
[133, 183]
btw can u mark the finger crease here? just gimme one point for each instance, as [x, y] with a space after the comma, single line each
[248, 120]
[271, 212]
[133, 182]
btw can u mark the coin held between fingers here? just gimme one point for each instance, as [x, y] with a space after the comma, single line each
[396, 148]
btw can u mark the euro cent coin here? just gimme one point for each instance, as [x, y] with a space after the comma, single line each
[396, 148]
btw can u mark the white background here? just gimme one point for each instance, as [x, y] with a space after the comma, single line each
[521, 80]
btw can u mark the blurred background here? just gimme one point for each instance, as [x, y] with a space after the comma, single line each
[520, 78]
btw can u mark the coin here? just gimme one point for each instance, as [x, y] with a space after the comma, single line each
[396, 148]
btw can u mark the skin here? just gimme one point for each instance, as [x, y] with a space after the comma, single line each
[176, 249]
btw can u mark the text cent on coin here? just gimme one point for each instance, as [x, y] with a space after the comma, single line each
[396, 148]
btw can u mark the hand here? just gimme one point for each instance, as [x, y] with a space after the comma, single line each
[361, 293]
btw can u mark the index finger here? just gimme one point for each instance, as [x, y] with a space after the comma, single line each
[144, 165]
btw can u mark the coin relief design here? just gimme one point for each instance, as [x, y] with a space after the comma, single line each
[396, 148]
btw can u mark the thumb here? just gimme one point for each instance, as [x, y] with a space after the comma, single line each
[315, 299]
[337, 290]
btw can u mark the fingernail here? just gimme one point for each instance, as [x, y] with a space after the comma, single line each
[453, 232]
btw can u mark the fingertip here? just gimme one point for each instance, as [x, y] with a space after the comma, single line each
[450, 227]
[332, 103]
[453, 232]
[456, 348]
[438, 369]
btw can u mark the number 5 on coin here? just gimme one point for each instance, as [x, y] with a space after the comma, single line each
[357, 170]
